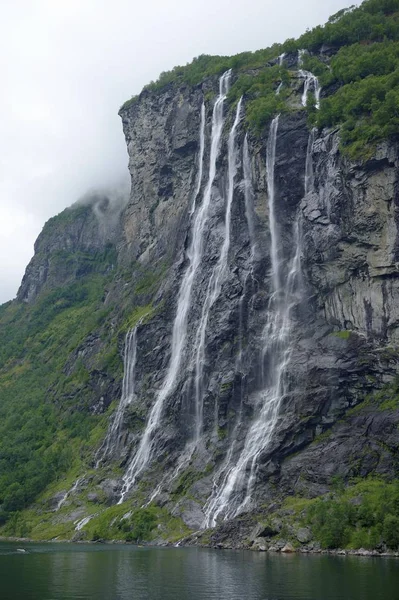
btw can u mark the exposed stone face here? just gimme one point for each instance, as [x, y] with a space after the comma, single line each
[345, 320]
[162, 139]
[87, 227]
[350, 271]
[304, 535]
[352, 240]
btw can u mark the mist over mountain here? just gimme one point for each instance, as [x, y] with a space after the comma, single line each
[67, 67]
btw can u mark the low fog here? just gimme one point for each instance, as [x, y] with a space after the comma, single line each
[66, 68]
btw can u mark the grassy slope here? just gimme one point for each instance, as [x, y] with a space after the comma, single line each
[48, 428]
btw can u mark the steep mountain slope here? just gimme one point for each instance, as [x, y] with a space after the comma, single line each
[250, 285]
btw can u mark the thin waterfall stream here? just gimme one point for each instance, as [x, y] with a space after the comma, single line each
[200, 160]
[250, 218]
[310, 82]
[234, 484]
[249, 197]
[113, 438]
[144, 452]
[280, 64]
[217, 276]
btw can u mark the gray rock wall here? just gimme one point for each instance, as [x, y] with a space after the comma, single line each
[344, 333]
[349, 270]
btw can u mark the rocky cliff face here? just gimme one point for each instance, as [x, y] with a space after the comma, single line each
[256, 404]
[343, 324]
[70, 241]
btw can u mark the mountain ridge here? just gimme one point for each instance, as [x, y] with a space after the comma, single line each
[247, 215]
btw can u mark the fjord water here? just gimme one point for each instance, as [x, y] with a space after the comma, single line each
[105, 572]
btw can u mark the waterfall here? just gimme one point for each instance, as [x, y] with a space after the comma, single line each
[237, 476]
[217, 277]
[309, 173]
[270, 163]
[179, 333]
[67, 494]
[310, 82]
[280, 64]
[249, 196]
[80, 524]
[249, 279]
[200, 159]
[113, 437]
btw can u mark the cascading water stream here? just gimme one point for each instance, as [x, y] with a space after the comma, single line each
[194, 255]
[217, 277]
[113, 438]
[233, 494]
[80, 524]
[249, 197]
[247, 188]
[200, 159]
[309, 173]
[280, 64]
[69, 493]
[274, 237]
[310, 82]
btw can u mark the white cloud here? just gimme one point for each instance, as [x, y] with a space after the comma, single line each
[68, 65]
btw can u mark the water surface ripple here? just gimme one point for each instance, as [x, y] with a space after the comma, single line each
[120, 572]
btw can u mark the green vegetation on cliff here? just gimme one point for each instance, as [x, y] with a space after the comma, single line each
[362, 515]
[45, 419]
[361, 80]
[59, 359]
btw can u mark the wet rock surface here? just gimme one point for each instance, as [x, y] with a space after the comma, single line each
[343, 322]
[345, 328]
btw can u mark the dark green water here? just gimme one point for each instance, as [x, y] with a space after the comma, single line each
[102, 572]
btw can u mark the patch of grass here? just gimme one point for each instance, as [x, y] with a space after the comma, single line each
[140, 313]
[185, 481]
[222, 433]
[125, 522]
[344, 334]
[322, 437]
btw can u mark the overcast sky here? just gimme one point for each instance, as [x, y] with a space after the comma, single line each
[66, 67]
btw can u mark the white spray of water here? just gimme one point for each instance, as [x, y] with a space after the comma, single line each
[311, 82]
[69, 493]
[80, 524]
[247, 188]
[194, 254]
[200, 160]
[280, 64]
[112, 440]
[249, 196]
[237, 476]
[217, 276]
